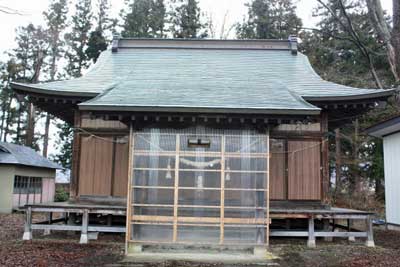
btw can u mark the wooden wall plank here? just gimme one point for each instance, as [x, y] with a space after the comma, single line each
[278, 187]
[95, 166]
[304, 161]
[121, 170]
[86, 167]
[103, 166]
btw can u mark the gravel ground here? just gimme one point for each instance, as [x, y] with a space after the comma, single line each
[62, 249]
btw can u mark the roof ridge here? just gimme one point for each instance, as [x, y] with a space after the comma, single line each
[220, 44]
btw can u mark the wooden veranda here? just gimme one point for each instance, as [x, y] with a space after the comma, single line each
[81, 211]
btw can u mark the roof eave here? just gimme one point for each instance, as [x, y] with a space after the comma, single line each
[30, 88]
[300, 112]
[373, 95]
[384, 128]
[32, 166]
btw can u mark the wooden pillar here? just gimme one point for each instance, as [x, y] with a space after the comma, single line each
[28, 224]
[74, 183]
[311, 234]
[326, 225]
[349, 226]
[130, 191]
[370, 236]
[49, 221]
[222, 197]
[85, 225]
[324, 157]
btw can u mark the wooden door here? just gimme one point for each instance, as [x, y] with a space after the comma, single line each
[95, 170]
[304, 177]
[278, 183]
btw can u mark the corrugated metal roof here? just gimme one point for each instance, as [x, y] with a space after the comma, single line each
[22, 155]
[181, 79]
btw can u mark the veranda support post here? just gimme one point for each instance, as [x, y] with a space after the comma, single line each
[370, 236]
[85, 223]
[28, 224]
[311, 233]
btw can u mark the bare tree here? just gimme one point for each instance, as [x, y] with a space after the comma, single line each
[391, 38]
[224, 30]
[10, 11]
[353, 36]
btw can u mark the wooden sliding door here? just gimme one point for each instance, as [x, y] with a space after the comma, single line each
[103, 168]
[304, 170]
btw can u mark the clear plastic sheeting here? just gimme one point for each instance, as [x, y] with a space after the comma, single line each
[200, 185]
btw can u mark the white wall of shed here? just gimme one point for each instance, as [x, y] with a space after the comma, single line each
[6, 188]
[391, 146]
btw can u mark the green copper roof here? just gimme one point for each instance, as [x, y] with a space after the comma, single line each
[241, 77]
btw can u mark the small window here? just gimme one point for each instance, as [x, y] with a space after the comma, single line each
[192, 142]
[27, 185]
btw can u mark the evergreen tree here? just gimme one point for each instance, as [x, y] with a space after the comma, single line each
[269, 19]
[145, 18]
[78, 38]
[56, 22]
[30, 55]
[186, 20]
[64, 145]
[9, 114]
[98, 41]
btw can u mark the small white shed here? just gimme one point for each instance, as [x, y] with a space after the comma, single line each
[389, 130]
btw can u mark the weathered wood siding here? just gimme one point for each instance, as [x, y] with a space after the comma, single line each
[278, 183]
[95, 166]
[304, 173]
[103, 167]
[97, 123]
[121, 170]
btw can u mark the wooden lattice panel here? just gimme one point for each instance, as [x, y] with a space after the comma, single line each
[208, 187]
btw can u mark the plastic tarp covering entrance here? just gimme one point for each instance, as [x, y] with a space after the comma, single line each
[199, 185]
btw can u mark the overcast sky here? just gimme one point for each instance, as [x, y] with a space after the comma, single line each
[33, 9]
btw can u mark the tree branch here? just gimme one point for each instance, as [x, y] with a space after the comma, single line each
[10, 11]
[356, 39]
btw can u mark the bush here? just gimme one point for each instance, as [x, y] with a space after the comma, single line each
[61, 195]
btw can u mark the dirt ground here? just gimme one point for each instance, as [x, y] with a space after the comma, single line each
[62, 249]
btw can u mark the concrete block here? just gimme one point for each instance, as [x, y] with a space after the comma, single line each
[260, 251]
[352, 239]
[46, 232]
[370, 243]
[93, 235]
[27, 236]
[134, 249]
[311, 243]
[84, 239]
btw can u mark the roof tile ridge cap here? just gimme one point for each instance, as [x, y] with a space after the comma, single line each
[105, 92]
[301, 99]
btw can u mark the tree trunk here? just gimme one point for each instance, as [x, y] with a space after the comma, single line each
[357, 178]
[30, 131]
[338, 162]
[379, 189]
[391, 40]
[46, 135]
[7, 120]
[395, 41]
[18, 134]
